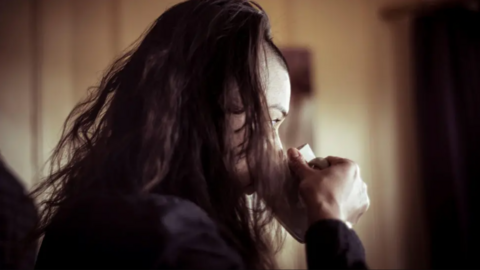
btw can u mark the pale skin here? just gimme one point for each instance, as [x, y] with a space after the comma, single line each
[277, 92]
[337, 192]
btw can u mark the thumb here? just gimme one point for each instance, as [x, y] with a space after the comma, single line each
[298, 164]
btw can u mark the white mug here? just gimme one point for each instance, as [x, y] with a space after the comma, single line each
[294, 219]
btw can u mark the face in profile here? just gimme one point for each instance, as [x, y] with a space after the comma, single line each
[276, 83]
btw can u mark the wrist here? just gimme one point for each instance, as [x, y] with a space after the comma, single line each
[325, 212]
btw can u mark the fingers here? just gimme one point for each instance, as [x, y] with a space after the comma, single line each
[347, 165]
[319, 163]
[364, 203]
[298, 164]
[343, 162]
[336, 160]
[367, 198]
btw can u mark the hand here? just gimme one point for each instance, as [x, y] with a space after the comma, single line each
[336, 192]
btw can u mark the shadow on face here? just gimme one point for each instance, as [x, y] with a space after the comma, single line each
[276, 83]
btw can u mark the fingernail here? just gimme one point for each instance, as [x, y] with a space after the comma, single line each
[293, 153]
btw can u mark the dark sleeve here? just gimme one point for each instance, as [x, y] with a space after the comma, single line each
[18, 216]
[331, 244]
[155, 233]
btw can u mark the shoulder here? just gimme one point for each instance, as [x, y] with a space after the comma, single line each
[153, 231]
[161, 213]
[18, 216]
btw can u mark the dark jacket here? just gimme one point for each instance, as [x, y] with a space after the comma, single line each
[18, 216]
[162, 232]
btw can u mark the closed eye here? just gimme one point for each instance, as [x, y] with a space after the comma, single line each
[276, 122]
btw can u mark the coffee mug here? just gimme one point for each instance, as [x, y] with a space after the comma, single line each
[293, 216]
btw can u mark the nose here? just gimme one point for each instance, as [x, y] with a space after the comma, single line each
[278, 142]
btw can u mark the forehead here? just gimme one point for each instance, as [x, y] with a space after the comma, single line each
[276, 79]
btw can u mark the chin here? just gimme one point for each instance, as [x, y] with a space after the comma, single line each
[249, 190]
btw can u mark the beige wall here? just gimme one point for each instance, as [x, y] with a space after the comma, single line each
[16, 88]
[51, 51]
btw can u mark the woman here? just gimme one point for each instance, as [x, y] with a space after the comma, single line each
[153, 170]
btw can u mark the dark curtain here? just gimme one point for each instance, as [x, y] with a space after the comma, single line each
[447, 74]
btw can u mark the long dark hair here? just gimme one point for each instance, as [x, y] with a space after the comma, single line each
[158, 123]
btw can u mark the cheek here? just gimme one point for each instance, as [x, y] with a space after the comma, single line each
[242, 171]
[242, 167]
[237, 134]
[236, 139]
[278, 141]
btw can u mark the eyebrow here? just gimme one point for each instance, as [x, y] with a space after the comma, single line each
[279, 108]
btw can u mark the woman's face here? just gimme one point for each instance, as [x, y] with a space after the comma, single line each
[277, 85]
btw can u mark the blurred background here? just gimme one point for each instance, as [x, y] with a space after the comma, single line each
[392, 84]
